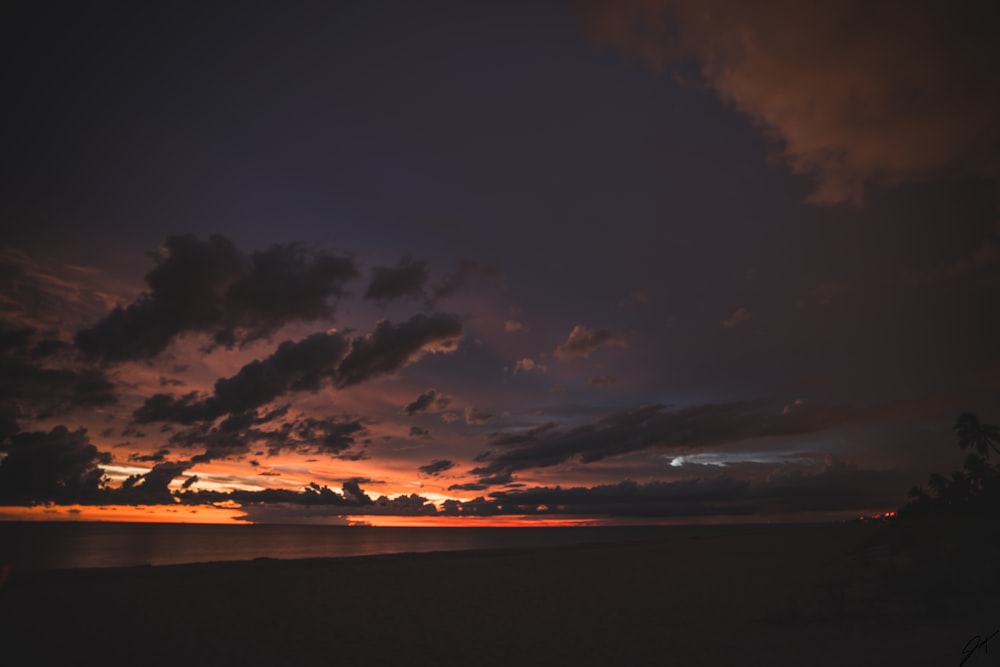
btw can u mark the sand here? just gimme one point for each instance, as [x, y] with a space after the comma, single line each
[738, 598]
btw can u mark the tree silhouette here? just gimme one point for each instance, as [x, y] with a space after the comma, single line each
[974, 491]
[974, 434]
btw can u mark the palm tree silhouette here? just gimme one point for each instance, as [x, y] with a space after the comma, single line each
[976, 435]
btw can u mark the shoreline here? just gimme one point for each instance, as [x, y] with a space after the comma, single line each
[700, 600]
[87, 545]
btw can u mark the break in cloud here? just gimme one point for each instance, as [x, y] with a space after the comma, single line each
[212, 287]
[855, 92]
[582, 342]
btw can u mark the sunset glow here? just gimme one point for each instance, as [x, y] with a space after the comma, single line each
[601, 263]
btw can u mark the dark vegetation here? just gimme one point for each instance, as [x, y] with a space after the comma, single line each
[938, 558]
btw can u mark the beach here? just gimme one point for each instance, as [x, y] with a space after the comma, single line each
[730, 598]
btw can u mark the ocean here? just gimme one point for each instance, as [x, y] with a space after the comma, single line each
[56, 545]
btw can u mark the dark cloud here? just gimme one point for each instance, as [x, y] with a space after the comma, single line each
[158, 456]
[508, 438]
[417, 432]
[211, 287]
[311, 495]
[469, 486]
[426, 400]
[245, 432]
[582, 342]
[331, 435]
[295, 366]
[59, 466]
[601, 381]
[910, 96]
[436, 467]
[33, 389]
[391, 347]
[151, 487]
[186, 409]
[832, 487]
[306, 365]
[654, 426]
[352, 492]
[285, 283]
[404, 281]
[696, 497]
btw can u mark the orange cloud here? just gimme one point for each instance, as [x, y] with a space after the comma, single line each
[854, 92]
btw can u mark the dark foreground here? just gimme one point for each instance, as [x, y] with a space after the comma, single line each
[740, 598]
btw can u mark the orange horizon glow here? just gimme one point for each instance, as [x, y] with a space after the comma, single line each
[208, 514]
[235, 515]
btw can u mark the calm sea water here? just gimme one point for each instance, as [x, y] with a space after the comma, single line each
[45, 545]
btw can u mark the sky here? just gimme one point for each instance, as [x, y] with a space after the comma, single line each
[455, 263]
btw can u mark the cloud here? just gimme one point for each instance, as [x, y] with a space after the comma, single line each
[245, 432]
[351, 498]
[425, 401]
[526, 365]
[331, 435]
[477, 416]
[53, 295]
[854, 93]
[417, 432]
[656, 427]
[307, 365]
[41, 388]
[739, 316]
[211, 287]
[152, 487]
[436, 467]
[505, 439]
[294, 366]
[582, 342]
[56, 466]
[390, 347]
[404, 281]
[601, 381]
[830, 487]
[513, 326]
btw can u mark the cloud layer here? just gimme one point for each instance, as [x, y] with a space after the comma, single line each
[855, 93]
[211, 287]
